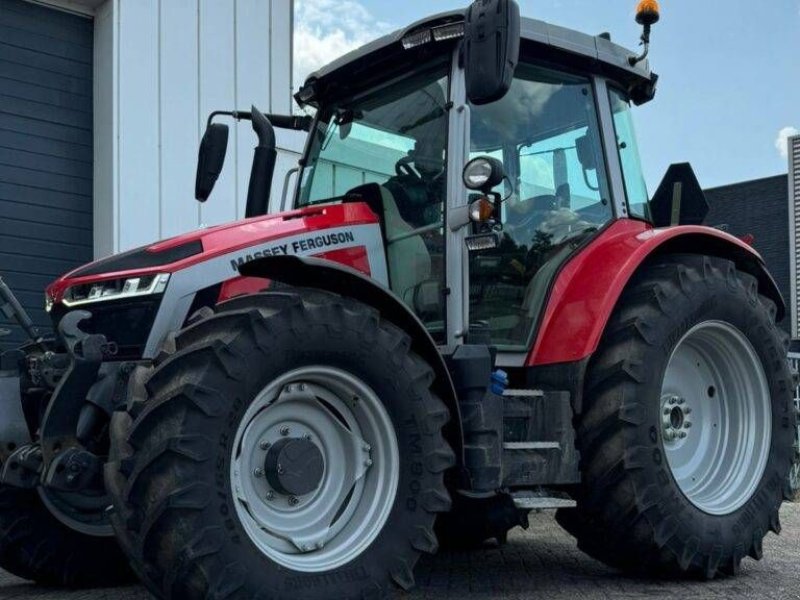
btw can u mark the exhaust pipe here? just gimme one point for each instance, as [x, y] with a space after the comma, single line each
[264, 157]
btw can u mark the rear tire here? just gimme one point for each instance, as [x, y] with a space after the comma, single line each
[660, 497]
[184, 444]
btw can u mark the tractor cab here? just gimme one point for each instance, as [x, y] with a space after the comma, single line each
[398, 121]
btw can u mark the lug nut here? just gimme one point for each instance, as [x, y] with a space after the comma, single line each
[284, 430]
[687, 424]
[259, 472]
[301, 386]
[672, 400]
[682, 434]
[667, 411]
[687, 410]
[264, 444]
[307, 436]
[293, 501]
[368, 462]
[366, 447]
[270, 495]
[681, 400]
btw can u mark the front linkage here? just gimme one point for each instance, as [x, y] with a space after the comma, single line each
[56, 397]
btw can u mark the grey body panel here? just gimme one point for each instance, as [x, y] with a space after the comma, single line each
[45, 151]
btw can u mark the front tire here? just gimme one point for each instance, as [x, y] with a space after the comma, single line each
[37, 546]
[289, 444]
[686, 439]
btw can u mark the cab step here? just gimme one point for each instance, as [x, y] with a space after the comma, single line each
[533, 501]
[538, 439]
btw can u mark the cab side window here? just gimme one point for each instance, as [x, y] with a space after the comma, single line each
[546, 133]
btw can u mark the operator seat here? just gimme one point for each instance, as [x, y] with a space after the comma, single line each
[408, 259]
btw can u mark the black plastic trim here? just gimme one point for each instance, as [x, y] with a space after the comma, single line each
[140, 258]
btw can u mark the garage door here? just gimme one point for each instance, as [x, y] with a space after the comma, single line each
[45, 150]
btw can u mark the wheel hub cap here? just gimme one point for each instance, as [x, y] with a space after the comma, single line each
[294, 466]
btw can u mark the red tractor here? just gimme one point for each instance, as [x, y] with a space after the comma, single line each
[469, 309]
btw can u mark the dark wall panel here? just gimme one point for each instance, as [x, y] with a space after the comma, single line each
[45, 150]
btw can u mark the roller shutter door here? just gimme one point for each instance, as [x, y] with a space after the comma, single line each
[45, 150]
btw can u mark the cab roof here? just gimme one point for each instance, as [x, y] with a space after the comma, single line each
[540, 40]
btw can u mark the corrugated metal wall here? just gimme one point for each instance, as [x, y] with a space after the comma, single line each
[174, 62]
[45, 150]
[794, 230]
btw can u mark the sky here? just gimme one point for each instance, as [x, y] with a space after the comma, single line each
[729, 92]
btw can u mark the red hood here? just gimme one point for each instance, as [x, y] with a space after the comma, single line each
[218, 240]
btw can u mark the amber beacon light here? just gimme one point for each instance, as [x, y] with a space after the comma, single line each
[648, 12]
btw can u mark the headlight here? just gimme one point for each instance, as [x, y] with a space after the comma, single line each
[115, 289]
[483, 173]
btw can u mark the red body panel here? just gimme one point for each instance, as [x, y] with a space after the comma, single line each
[588, 287]
[227, 238]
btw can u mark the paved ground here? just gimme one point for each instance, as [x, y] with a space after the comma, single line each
[543, 563]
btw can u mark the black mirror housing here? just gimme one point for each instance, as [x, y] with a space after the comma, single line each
[211, 157]
[491, 49]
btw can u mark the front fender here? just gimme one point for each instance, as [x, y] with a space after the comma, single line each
[587, 289]
[303, 271]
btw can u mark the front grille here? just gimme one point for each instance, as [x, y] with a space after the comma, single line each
[126, 322]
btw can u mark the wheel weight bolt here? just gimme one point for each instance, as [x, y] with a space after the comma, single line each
[264, 445]
[285, 430]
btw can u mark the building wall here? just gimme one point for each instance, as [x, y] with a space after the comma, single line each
[161, 67]
[758, 208]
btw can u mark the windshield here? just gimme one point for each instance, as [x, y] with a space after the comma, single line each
[546, 133]
[388, 148]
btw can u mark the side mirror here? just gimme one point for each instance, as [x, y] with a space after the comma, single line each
[491, 49]
[210, 159]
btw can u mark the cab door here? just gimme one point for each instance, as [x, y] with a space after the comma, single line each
[546, 133]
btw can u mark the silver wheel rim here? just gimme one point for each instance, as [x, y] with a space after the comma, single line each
[85, 514]
[716, 417]
[347, 423]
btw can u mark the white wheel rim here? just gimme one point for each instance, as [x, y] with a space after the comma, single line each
[348, 424]
[716, 417]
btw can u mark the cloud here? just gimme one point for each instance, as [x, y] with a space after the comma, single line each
[781, 143]
[326, 29]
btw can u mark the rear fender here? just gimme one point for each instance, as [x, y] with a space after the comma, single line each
[587, 289]
[334, 277]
